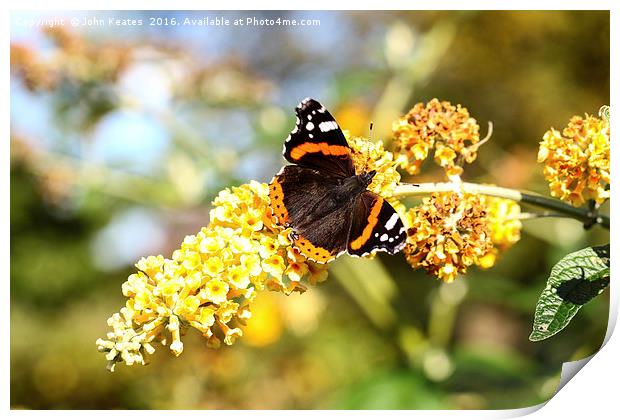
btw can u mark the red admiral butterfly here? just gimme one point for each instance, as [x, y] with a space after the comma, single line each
[321, 197]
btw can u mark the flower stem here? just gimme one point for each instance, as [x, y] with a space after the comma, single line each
[588, 216]
[530, 215]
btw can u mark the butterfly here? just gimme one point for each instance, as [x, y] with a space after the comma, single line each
[322, 198]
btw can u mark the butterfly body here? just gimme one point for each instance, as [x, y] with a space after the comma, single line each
[321, 197]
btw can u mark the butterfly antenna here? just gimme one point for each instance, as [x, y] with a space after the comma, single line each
[368, 144]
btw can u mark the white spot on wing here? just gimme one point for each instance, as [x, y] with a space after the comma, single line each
[392, 222]
[309, 117]
[383, 237]
[328, 126]
[309, 126]
[310, 135]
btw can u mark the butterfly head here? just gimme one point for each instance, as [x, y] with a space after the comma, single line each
[356, 184]
[366, 177]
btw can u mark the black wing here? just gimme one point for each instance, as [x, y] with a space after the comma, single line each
[317, 141]
[303, 198]
[375, 227]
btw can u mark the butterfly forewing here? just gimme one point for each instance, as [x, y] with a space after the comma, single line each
[317, 141]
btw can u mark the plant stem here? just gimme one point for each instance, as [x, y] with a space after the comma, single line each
[529, 215]
[585, 215]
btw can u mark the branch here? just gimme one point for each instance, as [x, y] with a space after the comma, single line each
[588, 216]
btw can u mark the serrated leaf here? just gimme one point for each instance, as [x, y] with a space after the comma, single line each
[574, 281]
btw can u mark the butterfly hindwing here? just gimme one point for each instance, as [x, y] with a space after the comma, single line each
[324, 239]
[298, 197]
[376, 227]
[317, 141]
[295, 194]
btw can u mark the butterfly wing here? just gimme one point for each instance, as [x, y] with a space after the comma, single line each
[317, 141]
[303, 198]
[323, 240]
[375, 227]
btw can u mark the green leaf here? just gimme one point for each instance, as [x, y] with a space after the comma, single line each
[574, 281]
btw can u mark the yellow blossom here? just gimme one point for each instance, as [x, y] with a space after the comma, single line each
[216, 291]
[440, 125]
[239, 277]
[213, 266]
[317, 273]
[188, 305]
[150, 265]
[504, 224]
[503, 220]
[368, 156]
[210, 244]
[230, 334]
[274, 266]
[254, 220]
[268, 247]
[124, 343]
[446, 234]
[210, 282]
[226, 311]
[204, 318]
[577, 160]
[488, 260]
[241, 245]
[296, 270]
[252, 264]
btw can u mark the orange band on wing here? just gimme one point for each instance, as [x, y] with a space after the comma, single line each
[373, 218]
[324, 148]
[315, 253]
[276, 201]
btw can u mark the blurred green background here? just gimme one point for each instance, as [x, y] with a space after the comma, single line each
[121, 137]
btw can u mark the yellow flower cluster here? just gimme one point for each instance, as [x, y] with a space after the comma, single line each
[447, 233]
[504, 224]
[577, 160]
[503, 217]
[210, 281]
[440, 125]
